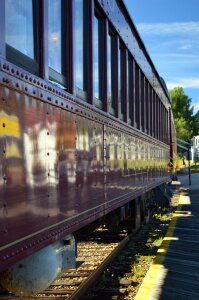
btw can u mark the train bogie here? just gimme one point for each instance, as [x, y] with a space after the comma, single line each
[36, 272]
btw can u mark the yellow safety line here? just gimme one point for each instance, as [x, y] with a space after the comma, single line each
[151, 277]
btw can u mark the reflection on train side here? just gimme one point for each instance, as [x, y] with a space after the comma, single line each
[62, 161]
[50, 150]
[65, 145]
[89, 147]
[34, 152]
[11, 164]
[52, 156]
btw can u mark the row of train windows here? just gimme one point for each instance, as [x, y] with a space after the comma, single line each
[118, 84]
[22, 37]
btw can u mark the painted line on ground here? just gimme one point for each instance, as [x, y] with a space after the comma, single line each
[157, 272]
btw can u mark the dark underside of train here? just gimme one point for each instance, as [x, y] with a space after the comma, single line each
[85, 128]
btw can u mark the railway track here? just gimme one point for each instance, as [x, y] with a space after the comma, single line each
[95, 252]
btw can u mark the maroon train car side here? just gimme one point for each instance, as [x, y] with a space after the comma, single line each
[84, 125]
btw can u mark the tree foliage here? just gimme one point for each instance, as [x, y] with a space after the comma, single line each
[187, 124]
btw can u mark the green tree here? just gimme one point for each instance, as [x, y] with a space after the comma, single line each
[186, 123]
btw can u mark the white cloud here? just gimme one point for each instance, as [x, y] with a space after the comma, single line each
[168, 28]
[192, 83]
[185, 47]
[183, 57]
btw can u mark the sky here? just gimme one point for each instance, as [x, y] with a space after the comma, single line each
[170, 32]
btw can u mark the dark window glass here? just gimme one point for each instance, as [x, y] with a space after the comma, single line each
[57, 52]
[21, 43]
[97, 60]
[111, 72]
[137, 96]
[54, 34]
[158, 114]
[96, 57]
[167, 127]
[19, 26]
[157, 117]
[131, 90]
[151, 109]
[142, 102]
[161, 121]
[154, 115]
[80, 47]
[119, 77]
[122, 81]
[147, 105]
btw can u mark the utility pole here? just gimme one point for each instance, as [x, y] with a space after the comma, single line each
[189, 165]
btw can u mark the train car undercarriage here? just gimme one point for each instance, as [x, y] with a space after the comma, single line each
[36, 272]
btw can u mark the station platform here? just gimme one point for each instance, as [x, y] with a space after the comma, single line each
[174, 275]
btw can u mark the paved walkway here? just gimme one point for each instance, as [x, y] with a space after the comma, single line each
[174, 274]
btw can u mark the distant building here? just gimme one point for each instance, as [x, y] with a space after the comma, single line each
[195, 149]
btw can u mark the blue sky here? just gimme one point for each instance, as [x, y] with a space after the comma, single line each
[170, 32]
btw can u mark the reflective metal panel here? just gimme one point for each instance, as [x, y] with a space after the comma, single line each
[89, 164]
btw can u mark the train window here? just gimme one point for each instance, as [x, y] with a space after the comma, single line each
[80, 43]
[122, 81]
[142, 102]
[131, 86]
[137, 96]
[159, 119]
[155, 114]
[56, 38]
[164, 121]
[162, 127]
[151, 109]
[54, 34]
[20, 33]
[111, 72]
[97, 60]
[166, 140]
[147, 105]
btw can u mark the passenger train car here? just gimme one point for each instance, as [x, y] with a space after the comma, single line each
[86, 129]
